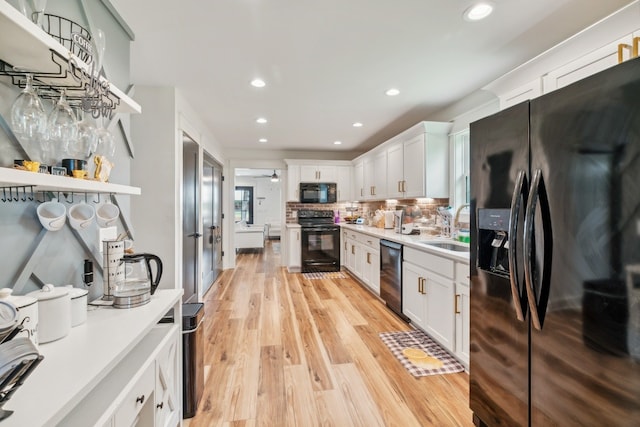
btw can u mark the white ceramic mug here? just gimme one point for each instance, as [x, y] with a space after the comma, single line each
[52, 215]
[107, 214]
[81, 215]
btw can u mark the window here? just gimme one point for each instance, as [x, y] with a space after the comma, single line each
[460, 179]
[243, 205]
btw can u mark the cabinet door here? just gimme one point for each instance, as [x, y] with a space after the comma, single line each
[414, 167]
[369, 177]
[371, 269]
[358, 259]
[440, 322]
[413, 300]
[358, 180]
[308, 173]
[344, 248]
[395, 170]
[380, 176]
[591, 63]
[166, 395]
[327, 173]
[462, 322]
[293, 183]
[343, 174]
[138, 405]
[294, 249]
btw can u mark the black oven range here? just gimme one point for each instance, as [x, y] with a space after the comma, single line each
[320, 240]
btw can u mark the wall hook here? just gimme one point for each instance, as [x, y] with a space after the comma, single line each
[97, 194]
[4, 194]
[31, 197]
[24, 194]
[17, 197]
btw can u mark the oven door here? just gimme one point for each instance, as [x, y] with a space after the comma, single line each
[320, 249]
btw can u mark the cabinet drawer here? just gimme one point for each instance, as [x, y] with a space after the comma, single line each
[440, 265]
[462, 273]
[141, 394]
[372, 242]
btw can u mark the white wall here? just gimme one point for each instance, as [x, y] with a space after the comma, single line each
[267, 198]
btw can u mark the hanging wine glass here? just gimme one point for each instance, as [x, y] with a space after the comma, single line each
[87, 140]
[100, 44]
[28, 118]
[38, 11]
[106, 143]
[63, 127]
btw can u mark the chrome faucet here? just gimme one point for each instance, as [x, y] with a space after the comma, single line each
[456, 219]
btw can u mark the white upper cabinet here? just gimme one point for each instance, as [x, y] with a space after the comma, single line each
[358, 179]
[343, 181]
[318, 173]
[411, 165]
[333, 171]
[588, 52]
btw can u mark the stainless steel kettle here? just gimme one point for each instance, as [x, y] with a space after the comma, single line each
[139, 282]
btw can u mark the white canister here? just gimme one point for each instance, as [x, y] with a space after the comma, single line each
[54, 312]
[78, 305]
[27, 313]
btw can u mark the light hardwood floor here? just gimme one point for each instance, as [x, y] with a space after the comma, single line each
[285, 351]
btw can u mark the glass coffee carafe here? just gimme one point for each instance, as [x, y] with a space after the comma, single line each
[139, 282]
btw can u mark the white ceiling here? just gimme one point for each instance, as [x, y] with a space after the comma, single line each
[328, 63]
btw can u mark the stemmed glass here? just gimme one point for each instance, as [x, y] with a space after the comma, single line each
[28, 118]
[87, 137]
[106, 143]
[100, 45]
[63, 127]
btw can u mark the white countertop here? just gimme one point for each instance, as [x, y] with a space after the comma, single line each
[411, 240]
[73, 365]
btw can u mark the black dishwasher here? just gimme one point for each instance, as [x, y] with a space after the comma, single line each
[391, 276]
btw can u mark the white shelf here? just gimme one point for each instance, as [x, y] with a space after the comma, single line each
[23, 44]
[83, 360]
[44, 182]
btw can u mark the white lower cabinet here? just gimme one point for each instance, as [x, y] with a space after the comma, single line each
[167, 404]
[462, 312]
[294, 248]
[362, 258]
[436, 301]
[138, 404]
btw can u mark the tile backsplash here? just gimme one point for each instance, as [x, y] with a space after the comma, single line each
[365, 209]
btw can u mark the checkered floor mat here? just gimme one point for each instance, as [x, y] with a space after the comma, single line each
[324, 275]
[399, 342]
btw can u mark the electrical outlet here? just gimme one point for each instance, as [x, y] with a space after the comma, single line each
[107, 233]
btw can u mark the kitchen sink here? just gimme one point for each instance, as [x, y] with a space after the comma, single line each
[445, 245]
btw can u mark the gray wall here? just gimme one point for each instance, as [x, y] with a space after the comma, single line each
[31, 255]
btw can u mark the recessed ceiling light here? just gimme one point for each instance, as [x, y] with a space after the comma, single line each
[258, 83]
[357, 125]
[392, 92]
[478, 11]
[261, 120]
[262, 140]
[337, 142]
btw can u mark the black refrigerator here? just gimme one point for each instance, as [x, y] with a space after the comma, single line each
[555, 257]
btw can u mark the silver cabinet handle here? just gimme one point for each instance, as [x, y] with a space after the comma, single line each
[519, 190]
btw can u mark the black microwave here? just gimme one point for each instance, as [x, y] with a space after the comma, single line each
[318, 192]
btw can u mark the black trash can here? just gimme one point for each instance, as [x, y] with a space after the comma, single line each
[192, 358]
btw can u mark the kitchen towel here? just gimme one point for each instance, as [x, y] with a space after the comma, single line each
[420, 354]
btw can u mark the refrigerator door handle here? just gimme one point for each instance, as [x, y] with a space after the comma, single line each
[529, 219]
[520, 190]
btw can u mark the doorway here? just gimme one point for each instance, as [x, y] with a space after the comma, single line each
[190, 215]
[211, 222]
